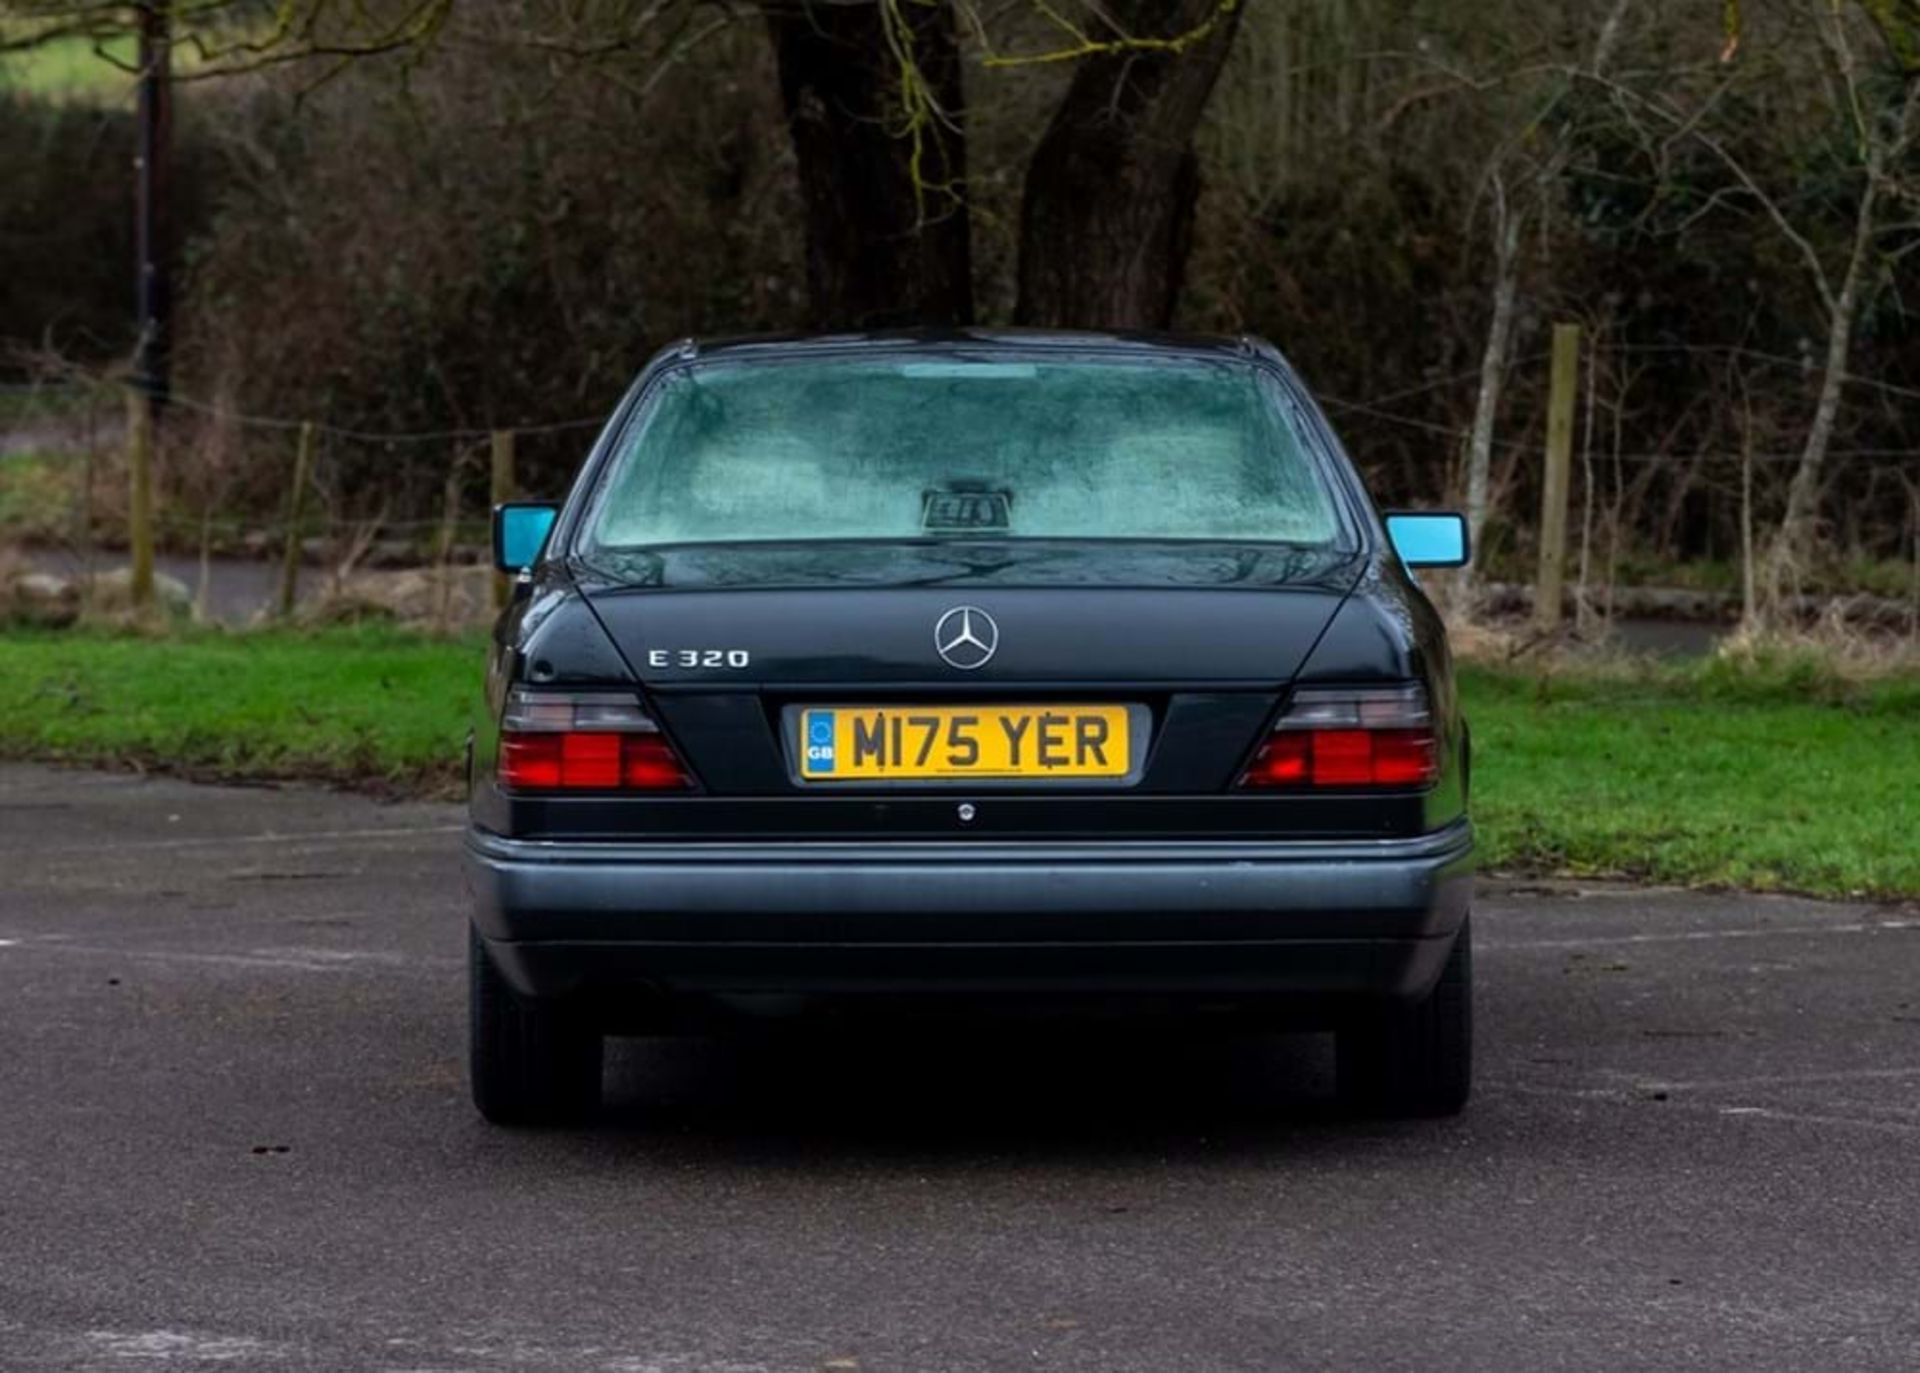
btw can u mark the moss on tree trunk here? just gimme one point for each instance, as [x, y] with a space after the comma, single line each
[1107, 217]
[874, 103]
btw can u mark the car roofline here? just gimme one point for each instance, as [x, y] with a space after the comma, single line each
[970, 340]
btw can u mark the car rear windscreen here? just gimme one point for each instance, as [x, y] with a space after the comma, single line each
[956, 448]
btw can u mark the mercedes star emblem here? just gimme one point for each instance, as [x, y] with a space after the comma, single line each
[966, 637]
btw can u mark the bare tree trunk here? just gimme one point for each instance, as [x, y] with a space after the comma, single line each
[1509, 220]
[1583, 605]
[1749, 598]
[203, 587]
[1107, 214]
[1794, 542]
[1493, 365]
[1793, 545]
[873, 98]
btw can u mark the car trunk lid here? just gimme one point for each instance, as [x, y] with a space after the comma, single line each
[969, 619]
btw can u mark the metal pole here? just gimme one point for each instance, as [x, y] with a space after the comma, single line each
[153, 227]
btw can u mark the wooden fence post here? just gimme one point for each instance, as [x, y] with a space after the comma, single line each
[140, 494]
[296, 499]
[504, 490]
[449, 532]
[1554, 490]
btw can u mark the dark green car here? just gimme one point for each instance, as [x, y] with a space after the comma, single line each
[968, 669]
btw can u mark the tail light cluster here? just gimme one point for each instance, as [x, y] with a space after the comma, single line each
[585, 741]
[1337, 737]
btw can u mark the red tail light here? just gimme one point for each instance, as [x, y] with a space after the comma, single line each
[1356, 738]
[601, 741]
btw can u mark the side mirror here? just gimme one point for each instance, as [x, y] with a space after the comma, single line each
[1429, 540]
[520, 532]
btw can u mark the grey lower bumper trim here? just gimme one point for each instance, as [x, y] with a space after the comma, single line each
[547, 880]
[1351, 918]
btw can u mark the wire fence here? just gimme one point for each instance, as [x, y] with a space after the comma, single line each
[240, 494]
[75, 425]
[233, 485]
[1375, 408]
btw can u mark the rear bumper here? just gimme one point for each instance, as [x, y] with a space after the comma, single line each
[1337, 919]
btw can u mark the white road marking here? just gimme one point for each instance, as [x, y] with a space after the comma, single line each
[1777, 1080]
[1817, 1118]
[1621, 1096]
[291, 960]
[295, 837]
[1696, 936]
[165, 1346]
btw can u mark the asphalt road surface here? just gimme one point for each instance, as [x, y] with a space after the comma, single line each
[234, 1134]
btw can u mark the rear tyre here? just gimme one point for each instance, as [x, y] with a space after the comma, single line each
[1414, 1058]
[531, 1061]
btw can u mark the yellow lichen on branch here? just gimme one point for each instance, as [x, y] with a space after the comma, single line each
[1086, 45]
[918, 114]
[301, 30]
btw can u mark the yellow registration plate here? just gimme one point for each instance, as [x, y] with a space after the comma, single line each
[902, 743]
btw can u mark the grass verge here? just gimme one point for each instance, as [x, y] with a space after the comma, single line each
[1771, 774]
[1768, 776]
[368, 707]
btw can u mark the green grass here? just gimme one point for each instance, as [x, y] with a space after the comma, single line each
[1766, 779]
[1774, 774]
[362, 706]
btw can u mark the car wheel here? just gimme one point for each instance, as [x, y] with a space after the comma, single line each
[531, 1061]
[1415, 1058]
